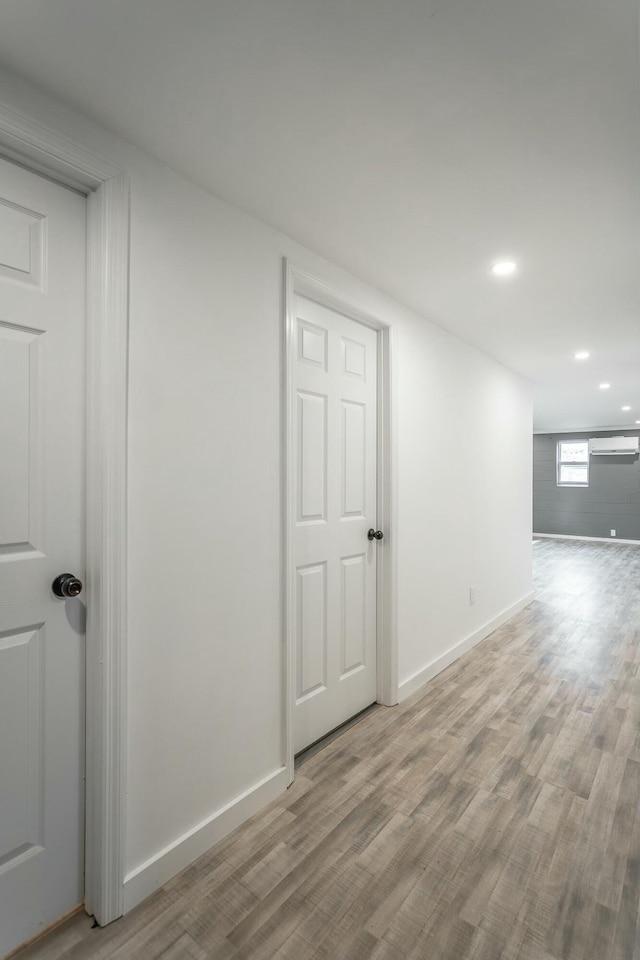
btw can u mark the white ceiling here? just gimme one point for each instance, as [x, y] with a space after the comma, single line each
[413, 142]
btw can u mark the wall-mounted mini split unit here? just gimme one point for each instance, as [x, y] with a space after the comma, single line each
[613, 446]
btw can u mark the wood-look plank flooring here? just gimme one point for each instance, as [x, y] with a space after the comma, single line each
[493, 816]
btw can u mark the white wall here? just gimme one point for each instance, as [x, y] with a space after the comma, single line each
[464, 496]
[205, 631]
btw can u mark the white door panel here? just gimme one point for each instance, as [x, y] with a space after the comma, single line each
[335, 383]
[42, 403]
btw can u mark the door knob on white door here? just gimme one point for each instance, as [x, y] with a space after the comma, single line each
[374, 534]
[66, 586]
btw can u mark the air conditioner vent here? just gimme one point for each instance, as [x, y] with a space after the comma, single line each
[613, 446]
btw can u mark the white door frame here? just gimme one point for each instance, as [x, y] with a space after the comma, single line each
[107, 190]
[299, 282]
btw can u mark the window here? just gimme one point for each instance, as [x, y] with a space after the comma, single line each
[573, 463]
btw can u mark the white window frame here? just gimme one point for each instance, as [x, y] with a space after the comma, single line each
[560, 463]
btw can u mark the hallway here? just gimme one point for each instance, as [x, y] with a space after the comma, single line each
[492, 815]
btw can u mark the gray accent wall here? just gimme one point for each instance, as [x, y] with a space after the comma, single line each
[611, 501]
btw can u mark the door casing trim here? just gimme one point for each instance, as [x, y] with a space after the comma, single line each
[106, 187]
[298, 281]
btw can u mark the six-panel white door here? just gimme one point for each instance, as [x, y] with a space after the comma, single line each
[42, 416]
[335, 397]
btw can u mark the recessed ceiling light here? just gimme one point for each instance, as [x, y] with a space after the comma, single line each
[504, 268]
[626, 408]
[605, 386]
[637, 421]
[582, 355]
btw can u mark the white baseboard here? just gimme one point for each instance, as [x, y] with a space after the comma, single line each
[151, 875]
[409, 686]
[567, 536]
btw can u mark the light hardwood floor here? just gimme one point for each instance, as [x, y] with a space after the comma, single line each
[493, 815]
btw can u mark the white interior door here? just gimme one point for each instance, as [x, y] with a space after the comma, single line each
[335, 386]
[42, 415]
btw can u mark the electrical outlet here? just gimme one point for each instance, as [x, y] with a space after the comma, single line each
[613, 533]
[472, 596]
